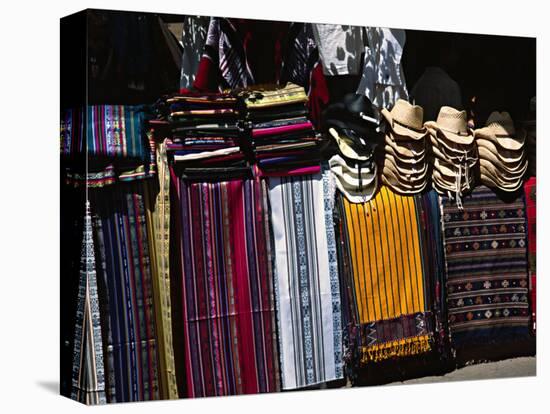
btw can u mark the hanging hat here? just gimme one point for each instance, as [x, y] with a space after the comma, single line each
[408, 149]
[499, 129]
[357, 184]
[503, 174]
[352, 147]
[509, 167]
[453, 151]
[489, 177]
[505, 155]
[409, 172]
[405, 120]
[444, 184]
[466, 159]
[355, 112]
[451, 125]
[392, 180]
[388, 149]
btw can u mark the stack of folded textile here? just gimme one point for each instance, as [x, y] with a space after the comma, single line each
[454, 153]
[205, 133]
[283, 139]
[104, 144]
[405, 169]
[502, 160]
[352, 125]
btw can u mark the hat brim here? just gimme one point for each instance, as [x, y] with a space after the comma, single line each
[450, 184]
[392, 180]
[349, 152]
[412, 181]
[501, 174]
[352, 179]
[418, 172]
[512, 143]
[407, 149]
[506, 155]
[489, 180]
[508, 167]
[452, 138]
[401, 132]
[354, 196]
[388, 149]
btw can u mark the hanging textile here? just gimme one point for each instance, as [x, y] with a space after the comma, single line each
[386, 280]
[486, 261]
[530, 188]
[383, 79]
[88, 377]
[193, 40]
[228, 313]
[434, 260]
[126, 279]
[306, 280]
[157, 209]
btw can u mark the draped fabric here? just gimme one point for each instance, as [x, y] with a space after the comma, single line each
[382, 242]
[306, 280]
[486, 265]
[530, 188]
[157, 209]
[193, 39]
[228, 309]
[88, 376]
[434, 259]
[128, 317]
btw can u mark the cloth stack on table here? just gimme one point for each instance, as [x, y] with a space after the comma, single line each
[282, 137]
[205, 133]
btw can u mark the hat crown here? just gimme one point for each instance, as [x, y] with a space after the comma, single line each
[502, 122]
[452, 120]
[409, 115]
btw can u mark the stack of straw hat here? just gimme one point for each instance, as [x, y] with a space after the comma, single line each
[454, 153]
[502, 159]
[405, 166]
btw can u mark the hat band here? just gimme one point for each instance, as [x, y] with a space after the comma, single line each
[461, 133]
[407, 126]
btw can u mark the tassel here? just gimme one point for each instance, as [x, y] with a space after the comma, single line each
[401, 348]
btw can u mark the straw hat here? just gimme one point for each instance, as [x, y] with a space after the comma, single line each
[509, 167]
[442, 184]
[414, 172]
[466, 159]
[388, 149]
[406, 149]
[505, 155]
[502, 174]
[448, 170]
[390, 179]
[452, 151]
[500, 130]
[489, 178]
[405, 120]
[451, 125]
